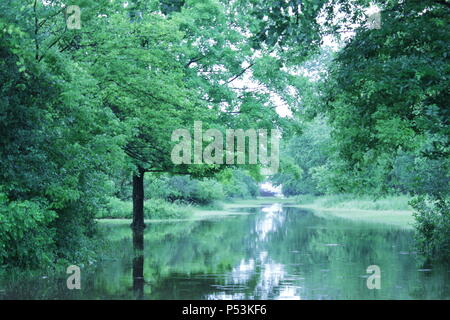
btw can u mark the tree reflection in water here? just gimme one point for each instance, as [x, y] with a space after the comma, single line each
[138, 263]
[272, 252]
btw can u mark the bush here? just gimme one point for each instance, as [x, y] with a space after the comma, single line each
[161, 209]
[239, 184]
[116, 209]
[184, 189]
[153, 209]
[26, 237]
[208, 192]
[305, 198]
[432, 226]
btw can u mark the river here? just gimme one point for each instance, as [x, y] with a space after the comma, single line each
[272, 252]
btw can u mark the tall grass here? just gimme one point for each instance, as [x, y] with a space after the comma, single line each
[349, 201]
[153, 209]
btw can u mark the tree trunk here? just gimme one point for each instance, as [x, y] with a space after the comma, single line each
[138, 201]
[138, 273]
[138, 263]
[138, 227]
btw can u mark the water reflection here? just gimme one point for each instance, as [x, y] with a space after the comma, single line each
[270, 219]
[273, 253]
[286, 253]
[138, 263]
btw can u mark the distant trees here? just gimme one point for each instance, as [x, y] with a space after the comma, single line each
[228, 184]
[303, 156]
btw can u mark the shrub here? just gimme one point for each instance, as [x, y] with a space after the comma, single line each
[184, 189]
[153, 209]
[208, 192]
[239, 184]
[116, 209]
[26, 237]
[432, 226]
[161, 209]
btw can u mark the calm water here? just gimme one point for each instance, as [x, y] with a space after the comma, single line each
[270, 253]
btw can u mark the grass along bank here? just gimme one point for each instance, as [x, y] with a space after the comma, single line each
[392, 210]
[153, 209]
[158, 210]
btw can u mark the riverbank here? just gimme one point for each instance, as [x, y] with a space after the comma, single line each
[202, 213]
[327, 207]
[402, 219]
[393, 210]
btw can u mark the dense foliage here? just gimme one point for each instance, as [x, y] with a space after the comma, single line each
[82, 108]
[384, 96]
[57, 148]
[86, 113]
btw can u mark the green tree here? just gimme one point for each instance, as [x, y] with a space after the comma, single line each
[386, 96]
[162, 72]
[303, 156]
[57, 146]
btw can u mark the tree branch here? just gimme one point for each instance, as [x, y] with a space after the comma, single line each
[36, 30]
[194, 60]
[240, 73]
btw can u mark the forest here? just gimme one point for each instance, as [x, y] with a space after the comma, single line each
[91, 92]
